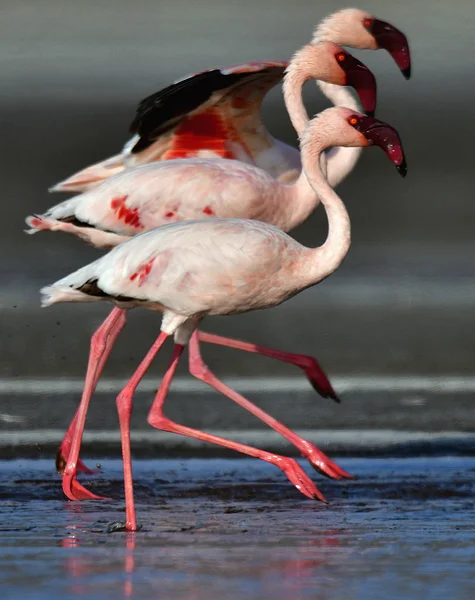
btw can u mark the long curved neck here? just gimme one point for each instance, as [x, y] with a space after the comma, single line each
[338, 162]
[301, 199]
[294, 80]
[321, 262]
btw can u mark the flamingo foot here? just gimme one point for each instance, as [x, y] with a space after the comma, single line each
[318, 379]
[74, 490]
[82, 468]
[79, 492]
[324, 465]
[61, 462]
[120, 526]
[299, 478]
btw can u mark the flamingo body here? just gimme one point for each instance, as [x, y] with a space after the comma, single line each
[177, 190]
[192, 269]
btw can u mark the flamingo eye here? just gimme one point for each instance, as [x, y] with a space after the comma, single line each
[367, 23]
[341, 56]
[353, 121]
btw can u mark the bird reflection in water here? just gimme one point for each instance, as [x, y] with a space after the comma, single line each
[286, 568]
[81, 566]
[81, 569]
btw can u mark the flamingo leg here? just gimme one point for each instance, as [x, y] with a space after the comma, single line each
[124, 409]
[110, 330]
[289, 466]
[317, 459]
[101, 345]
[314, 372]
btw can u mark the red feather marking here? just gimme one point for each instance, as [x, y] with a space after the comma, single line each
[208, 211]
[142, 272]
[130, 216]
[117, 202]
[204, 131]
[169, 214]
[207, 124]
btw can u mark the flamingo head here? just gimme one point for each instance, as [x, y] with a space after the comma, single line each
[338, 126]
[359, 29]
[330, 63]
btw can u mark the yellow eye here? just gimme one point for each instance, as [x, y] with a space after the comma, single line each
[340, 56]
[367, 23]
[353, 121]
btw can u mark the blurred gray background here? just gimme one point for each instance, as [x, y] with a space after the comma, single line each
[402, 304]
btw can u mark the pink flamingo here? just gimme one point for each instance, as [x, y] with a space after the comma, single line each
[197, 268]
[147, 196]
[217, 112]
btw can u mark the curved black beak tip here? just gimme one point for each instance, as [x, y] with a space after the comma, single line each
[406, 72]
[402, 168]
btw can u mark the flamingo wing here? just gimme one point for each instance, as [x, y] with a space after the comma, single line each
[208, 94]
[211, 114]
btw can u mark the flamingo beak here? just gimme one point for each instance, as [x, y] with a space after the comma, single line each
[386, 137]
[362, 80]
[395, 42]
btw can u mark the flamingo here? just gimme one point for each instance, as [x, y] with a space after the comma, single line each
[217, 112]
[192, 269]
[150, 195]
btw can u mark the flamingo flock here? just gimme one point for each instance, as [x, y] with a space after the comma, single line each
[195, 212]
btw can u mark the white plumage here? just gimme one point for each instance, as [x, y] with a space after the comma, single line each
[215, 267]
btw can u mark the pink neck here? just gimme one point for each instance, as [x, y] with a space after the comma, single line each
[321, 262]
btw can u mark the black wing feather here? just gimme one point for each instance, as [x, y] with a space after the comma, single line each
[91, 288]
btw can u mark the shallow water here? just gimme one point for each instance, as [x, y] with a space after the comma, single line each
[236, 528]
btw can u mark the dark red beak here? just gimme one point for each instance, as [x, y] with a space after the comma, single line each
[360, 78]
[392, 40]
[386, 137]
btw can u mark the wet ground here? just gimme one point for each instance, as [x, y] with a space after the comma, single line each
[237, 529]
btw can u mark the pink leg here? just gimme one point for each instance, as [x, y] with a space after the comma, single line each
[157, 419]
[101, 345]
[124, 408]
[110, 329]
[312, 369]
[317, 459]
